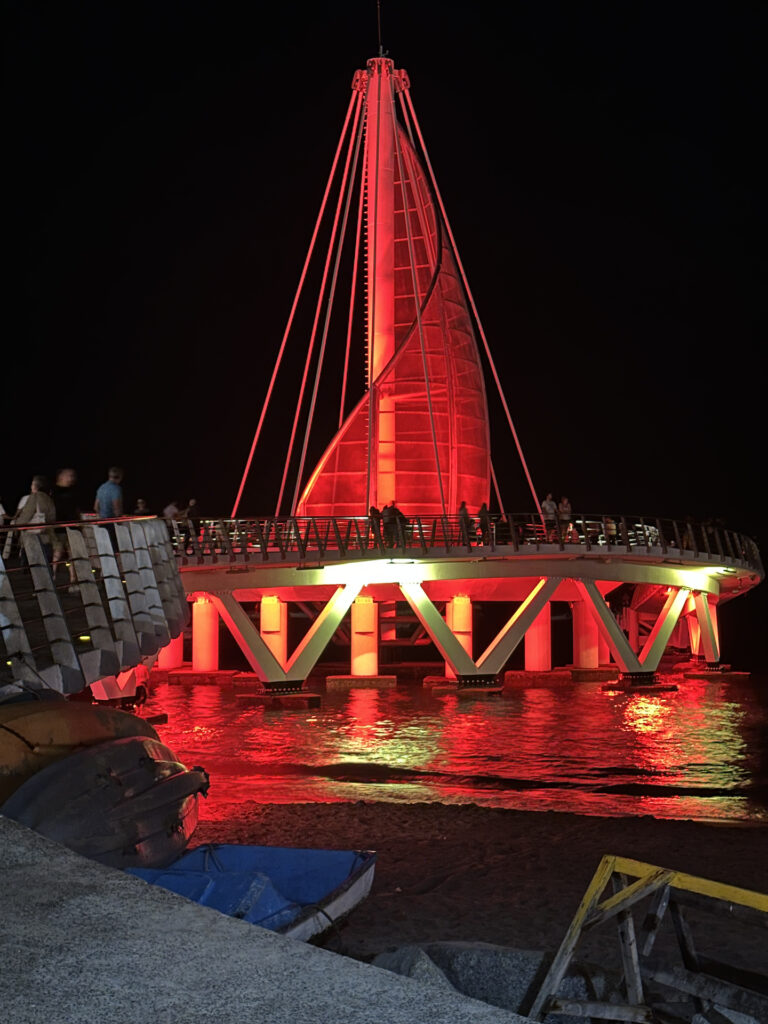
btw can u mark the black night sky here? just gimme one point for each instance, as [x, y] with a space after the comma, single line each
[601, 169]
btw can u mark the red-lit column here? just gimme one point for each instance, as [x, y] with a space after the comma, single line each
[538, 642]
[585, 637]
[205, 635]
[633, 630]
[172, 655]
[273, 626]
[380, 177]
[603, 650]
[365, 637]
[458, 617]
[387, 612]
[694, 634]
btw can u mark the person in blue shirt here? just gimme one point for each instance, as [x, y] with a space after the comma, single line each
[109, 496]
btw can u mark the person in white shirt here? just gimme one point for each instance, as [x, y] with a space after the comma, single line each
[549, 511]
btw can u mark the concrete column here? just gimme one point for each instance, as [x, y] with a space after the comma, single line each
[205, 635]
[603, 650]
[273, 626]
[694, 634]
[538, 642]
[364, 660]
[387, 610]
[633, 630]
[458, 617]
[172, 655]
[585, 637]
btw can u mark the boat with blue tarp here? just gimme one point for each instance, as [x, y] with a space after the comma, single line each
[300, 893]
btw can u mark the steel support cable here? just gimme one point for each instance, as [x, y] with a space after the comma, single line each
[406, 118]
[474, 307]
[496, 488]
[347, 184]
[429, 240]
[355, 268]
[417, 302]
[372, 291]
[313, 335]
[296, 297]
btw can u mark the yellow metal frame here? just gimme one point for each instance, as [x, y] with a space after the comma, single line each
[650, 880]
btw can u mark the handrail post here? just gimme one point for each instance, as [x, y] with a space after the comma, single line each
[662, 538]
[625, 534]
[421, 536]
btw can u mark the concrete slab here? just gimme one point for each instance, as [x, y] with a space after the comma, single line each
[360, 682]
[188, 676]
[300, 699]
[440, 682]
[595, 675]
[83, 943]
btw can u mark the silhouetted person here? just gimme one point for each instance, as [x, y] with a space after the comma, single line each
[564, 513]
[390, 524]
[67, 511]
[109, 496]
[465, 523]
[189, 517]
[39, 509]
[374, 517]
[484, 520]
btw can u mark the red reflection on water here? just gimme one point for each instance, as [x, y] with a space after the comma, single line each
[557, 746]
[364, 714]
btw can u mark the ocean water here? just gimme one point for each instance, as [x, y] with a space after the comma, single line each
[700, 752]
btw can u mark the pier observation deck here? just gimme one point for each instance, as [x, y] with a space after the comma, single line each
[631, 581]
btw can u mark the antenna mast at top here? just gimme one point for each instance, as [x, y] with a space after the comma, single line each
[378, 22]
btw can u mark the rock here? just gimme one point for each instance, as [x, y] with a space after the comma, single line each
[498, 975]
[413, 962]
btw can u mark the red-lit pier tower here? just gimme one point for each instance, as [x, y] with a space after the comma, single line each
[417, 434]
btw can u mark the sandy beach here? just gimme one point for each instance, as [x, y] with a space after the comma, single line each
[512, 878]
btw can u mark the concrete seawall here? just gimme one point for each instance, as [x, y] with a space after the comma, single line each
[81, 943]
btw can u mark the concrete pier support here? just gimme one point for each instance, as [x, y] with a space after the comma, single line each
[633, 629]
[458, 617]
[273, 626]
[694, 634]
[603, 650]
[706, 616]
[585, 637]
[364, 660]
[538, 642]
[387, 611]
[172, 655]
[205, 635]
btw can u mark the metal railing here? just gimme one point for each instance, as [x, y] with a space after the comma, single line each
[125, 602]
[316, 538]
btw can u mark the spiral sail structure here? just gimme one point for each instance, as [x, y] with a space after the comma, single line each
[419, 436]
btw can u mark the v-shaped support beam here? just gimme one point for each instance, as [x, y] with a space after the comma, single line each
[613, 634]
[438, 629]
[498, 652]
[304, 658]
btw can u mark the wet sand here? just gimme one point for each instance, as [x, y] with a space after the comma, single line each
[512, 878]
